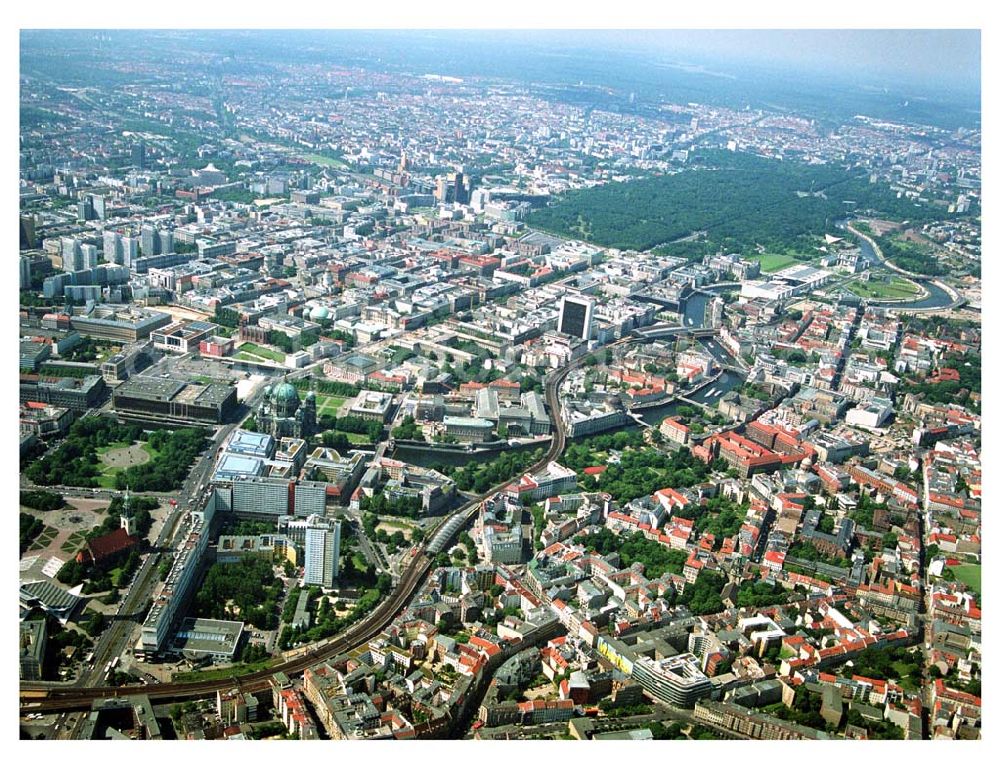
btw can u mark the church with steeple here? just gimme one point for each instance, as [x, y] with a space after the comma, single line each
[127, 516]
[116, 543]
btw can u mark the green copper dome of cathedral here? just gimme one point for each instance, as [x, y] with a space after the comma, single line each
[284, 392]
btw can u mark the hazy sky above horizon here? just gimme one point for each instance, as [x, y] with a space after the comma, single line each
[934, 62]
[945, 57]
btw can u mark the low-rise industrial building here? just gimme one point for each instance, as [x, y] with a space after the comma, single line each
[198, 638]
[182, 336]
[174, 400]
[76, 393]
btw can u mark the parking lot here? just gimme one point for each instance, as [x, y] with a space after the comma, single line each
[190, 368]
[49, 726]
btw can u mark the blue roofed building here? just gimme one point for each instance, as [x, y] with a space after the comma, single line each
[250, 444]
[236, 467]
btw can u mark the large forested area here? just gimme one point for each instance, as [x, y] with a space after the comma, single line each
[739, 200]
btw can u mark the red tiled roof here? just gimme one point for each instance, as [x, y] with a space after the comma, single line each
[109, 544]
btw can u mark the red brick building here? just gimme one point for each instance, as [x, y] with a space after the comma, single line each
[107, 546]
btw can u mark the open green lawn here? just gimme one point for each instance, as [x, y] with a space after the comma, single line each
[328, 404]
[320, 159]
[772, 261]
[907, 681]
[360, 564]
[896, 288]
[106, 479]
[265, 353]
[219, 674]
[44, 539]
[354, 438]
[73, 543]
[971, 575]
[102, 450]
[122, 444]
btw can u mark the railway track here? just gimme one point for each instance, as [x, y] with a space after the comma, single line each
[43, 697]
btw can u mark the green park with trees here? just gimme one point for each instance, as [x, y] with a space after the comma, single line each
[75, 462]
[478, 477]
[734, 198]
[246, 590]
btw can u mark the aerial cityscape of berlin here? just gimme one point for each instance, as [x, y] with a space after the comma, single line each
[538, 384]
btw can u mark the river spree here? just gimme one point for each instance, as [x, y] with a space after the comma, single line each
[937, 297]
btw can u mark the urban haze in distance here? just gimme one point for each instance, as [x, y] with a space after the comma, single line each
[500, 385]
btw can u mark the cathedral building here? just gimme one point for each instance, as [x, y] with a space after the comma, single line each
[282, 413]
